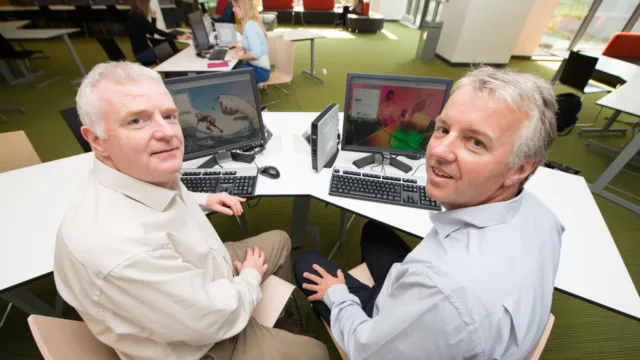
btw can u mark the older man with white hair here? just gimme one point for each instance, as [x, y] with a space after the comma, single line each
[480, 284]
[135, 254]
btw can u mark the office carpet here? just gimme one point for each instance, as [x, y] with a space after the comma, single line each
[581, 331]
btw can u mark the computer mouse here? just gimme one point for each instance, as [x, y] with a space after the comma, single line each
[270, 171]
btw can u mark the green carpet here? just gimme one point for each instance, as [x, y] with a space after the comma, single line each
[581, 331]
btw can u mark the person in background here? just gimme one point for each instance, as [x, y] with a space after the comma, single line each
[139, 27]
[224, 12]
[253, 48]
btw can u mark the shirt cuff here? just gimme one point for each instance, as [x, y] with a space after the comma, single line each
[201, 199]
[251, 274]
[336, 294]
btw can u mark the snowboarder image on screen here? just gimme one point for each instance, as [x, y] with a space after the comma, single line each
[209, 120]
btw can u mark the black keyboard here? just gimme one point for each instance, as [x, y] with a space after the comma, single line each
[237, 181]
[218, 54]
[393, 189]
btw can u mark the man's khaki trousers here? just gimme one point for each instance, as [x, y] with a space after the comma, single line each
[257, 342]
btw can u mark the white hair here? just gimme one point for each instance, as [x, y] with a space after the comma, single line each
[527, 93]
[88, 101]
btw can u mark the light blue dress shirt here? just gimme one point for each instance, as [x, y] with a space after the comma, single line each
[254, 41]
[478, 286]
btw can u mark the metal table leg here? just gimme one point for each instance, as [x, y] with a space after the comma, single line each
[28, 302]
[343, 232]
[598, 187]
[606, 128]
[312, 71]
[75, 58]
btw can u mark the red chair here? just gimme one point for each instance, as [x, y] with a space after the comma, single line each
[318, 4]
[277, 4]
[623, 45]
[220, 7]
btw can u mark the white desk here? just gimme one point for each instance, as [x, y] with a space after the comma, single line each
[187, 61]
[590, 265]
[10, 25]
[47, 34]
[303, 35]
[625, 99]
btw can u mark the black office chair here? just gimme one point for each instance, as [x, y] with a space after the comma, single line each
[163, 51]
[157, 41]
[118, 17]
[86, 15]
[577, 72]
[111, 48]
[70, 116]
[19, 57]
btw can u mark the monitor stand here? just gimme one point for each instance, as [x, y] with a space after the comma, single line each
[382, 159]
[216, 160]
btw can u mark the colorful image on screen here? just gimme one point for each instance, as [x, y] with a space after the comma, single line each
[217, 116]
[392, 117]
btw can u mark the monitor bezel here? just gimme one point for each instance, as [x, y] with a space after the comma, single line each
[256, 96]
[194, 34]
[377, 150]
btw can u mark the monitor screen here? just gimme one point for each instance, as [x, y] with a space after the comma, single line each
[218, 112]
[392, 114]
[198, 31]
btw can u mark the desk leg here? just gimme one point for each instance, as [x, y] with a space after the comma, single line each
[343, 232]
[598, 187]
[312, 71]
[606, 128]
[299, 220]
[29, 303]
[75, 58]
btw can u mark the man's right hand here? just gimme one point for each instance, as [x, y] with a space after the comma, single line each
[254, 259]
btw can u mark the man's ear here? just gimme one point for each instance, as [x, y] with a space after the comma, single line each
[520, 173]
[94, 141]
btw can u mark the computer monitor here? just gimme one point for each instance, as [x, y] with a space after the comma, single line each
[226, 34]
[388, 115]
[219, 112]
[198, 31]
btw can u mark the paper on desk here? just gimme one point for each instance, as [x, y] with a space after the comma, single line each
[275, 294]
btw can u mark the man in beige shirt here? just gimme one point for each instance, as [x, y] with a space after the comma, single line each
[135, 254]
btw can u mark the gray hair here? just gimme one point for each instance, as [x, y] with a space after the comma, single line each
[527, 93]
[87, 101]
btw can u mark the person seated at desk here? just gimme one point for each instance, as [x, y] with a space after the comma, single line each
[139, 27]
[253, 48]
[480, 283]
[226, 15]
[136, 256]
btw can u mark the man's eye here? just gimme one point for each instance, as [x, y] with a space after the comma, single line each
[477, 143]
[135, 121]
[442, 130]
[170, 117]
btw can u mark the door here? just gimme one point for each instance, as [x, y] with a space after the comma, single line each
[412, 13]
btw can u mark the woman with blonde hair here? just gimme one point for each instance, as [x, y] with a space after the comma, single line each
[253, 48]
[139, 26]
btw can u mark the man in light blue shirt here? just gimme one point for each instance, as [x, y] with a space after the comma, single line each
[480, 283]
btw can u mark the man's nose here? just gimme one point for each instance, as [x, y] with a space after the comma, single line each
[444, 151]
[163, 129]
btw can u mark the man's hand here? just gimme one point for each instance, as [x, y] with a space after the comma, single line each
[225, 204]
[235, 54]
[324, 282]
[254, 259]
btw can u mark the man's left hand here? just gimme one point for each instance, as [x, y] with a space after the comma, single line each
[324, 282]
[225, 204]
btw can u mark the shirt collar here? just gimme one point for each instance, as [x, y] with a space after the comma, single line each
[480, 216]
[153, 196]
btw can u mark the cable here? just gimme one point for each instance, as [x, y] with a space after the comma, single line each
[259, 198]
[416, 170]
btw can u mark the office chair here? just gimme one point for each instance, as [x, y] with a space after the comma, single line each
[157, 41]
[283, 72]
[20, 58]
[576, 73]
[117, 16]
[70, 116]
[163, 51]
[111, 48]
[86, 15]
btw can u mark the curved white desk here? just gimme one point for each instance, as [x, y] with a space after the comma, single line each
[590, 266]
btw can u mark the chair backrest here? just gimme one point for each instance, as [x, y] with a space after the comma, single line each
[623, 45]
[16, 151]
[577, 70]
[157, 41]
[70, 116]
[163, 51]
[111, 48]
[277, 4]
[537, 350]
[6, 48]
[286, 52]
[272, 47]
[59, 339]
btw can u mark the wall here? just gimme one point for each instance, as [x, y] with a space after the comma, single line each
[392, 9]
[534, 27]
[482, 31]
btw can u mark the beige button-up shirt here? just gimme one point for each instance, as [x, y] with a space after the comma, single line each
[146, 270]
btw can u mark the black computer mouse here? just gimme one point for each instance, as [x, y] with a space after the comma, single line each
[270, 171]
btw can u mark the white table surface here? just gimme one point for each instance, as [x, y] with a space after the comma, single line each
[590, 264]
[296, 35]
[16, 24]
[187, 61]
[58, 8]
[35, 34]
[625, 98]
[620, 68]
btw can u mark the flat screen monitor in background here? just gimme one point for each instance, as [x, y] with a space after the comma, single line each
[226, 34]
[219, 112]
[391, 115]
[198, 31]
